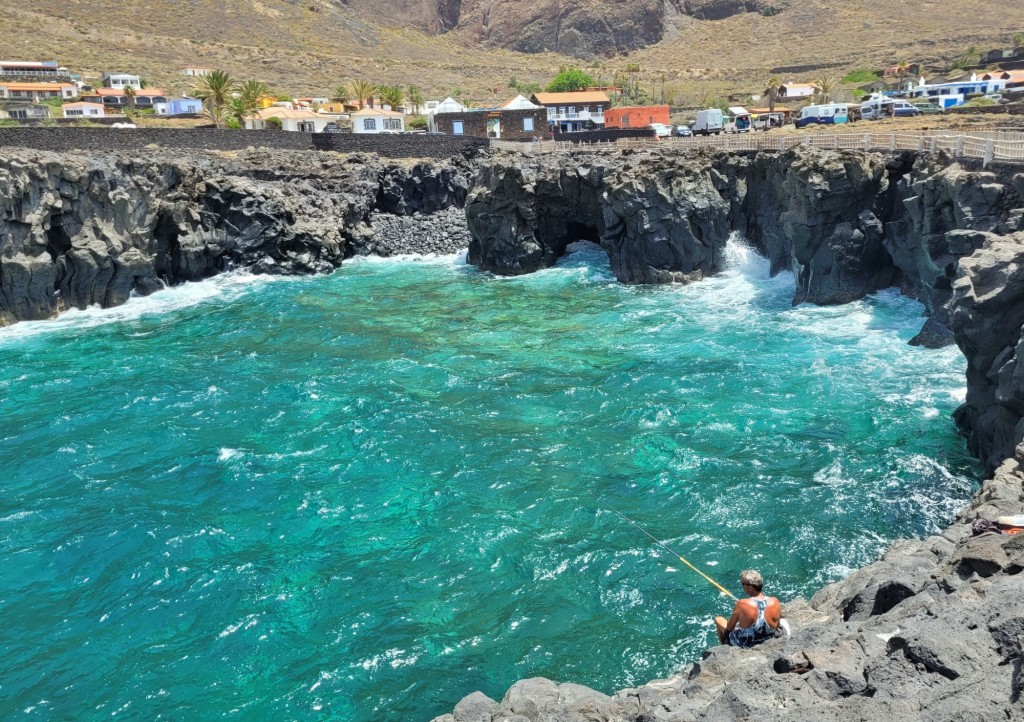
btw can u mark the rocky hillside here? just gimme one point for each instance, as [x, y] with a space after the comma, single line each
[474, 45]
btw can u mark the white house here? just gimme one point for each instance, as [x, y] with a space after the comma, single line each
[947, 95]
[448, 105]
[194, 72]
[377, 120]
[83, 110]
[519, 103]
[796, 91]
[122, 80]
[301, 121]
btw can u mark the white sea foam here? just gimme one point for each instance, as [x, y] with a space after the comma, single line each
[227, 286]
[440, 259]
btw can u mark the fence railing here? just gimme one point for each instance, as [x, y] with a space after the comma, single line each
[989, 146]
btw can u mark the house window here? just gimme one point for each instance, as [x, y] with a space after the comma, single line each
[392, 124]
[74, 112]
[528, 124]
[307, 127]
[625, 121]
[369, 124]
[561, 111]
[458, 128]
[572, 111]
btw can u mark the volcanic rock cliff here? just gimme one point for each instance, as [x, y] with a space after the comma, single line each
[90, 229]
[845, 223]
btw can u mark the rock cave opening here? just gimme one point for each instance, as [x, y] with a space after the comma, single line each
[58, 242]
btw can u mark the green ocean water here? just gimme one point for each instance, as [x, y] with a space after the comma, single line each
[357, 497]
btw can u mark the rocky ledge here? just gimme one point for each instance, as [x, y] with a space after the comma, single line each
[932, 631]
[80, 229]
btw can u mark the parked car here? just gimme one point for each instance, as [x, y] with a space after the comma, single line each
[887, 108]
[661, 130]
[927, 108]
[683, 131]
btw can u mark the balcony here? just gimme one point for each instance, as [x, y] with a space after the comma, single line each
[556, 115]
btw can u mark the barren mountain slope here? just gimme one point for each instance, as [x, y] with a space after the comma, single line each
[310, 46]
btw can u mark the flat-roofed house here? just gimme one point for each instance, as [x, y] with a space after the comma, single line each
[122, 80]
[377, 120]
[34, 70]
[796, 91]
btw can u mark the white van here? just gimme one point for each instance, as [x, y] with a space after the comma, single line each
[708, 121]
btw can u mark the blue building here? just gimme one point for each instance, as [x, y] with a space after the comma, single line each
[179, 106]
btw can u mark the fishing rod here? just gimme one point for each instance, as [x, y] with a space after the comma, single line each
[657, 541]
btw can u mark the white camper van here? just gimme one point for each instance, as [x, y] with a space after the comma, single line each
[708, 121]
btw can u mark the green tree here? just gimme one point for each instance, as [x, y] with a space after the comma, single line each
[416, 122]
[773, 86]
[569, 79]
[415, 97]
[238, 109]
[971, 56]
[214, 89]
[342, 94]
[1018, 40]
[252, 90]
[824, 87]
[129, 95]
[391, 95]
[362, 92]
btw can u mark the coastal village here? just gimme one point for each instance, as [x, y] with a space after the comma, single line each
[573, 106]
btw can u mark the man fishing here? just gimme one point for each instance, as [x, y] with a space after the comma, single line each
[754, 619]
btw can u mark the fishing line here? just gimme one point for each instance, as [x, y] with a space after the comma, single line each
[657, 541]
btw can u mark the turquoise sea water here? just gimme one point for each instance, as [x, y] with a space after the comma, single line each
[356, 497]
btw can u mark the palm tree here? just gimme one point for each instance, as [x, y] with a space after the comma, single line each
[391, 95]
[362, 90]
[633, 69]
[129, 95]
[214, 88]
[239, 109]
[824, 87]
[341, 94]
[773, 92]
[415, 97]
[971, 56]
[1018, 40]
[252, 91]
[216, 113]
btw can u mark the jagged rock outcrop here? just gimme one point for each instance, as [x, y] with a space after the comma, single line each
[660, 219]
[81, 229]
[932, 631]
[597, 27]
[846, 223]
[987, 318]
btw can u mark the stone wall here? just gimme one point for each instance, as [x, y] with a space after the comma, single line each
[604, 136]
[137, 139]
[399, 146]
[1012, 109]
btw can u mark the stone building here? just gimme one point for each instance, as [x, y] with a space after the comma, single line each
[497, 123]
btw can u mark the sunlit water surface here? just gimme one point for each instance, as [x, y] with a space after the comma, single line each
[357, 497]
